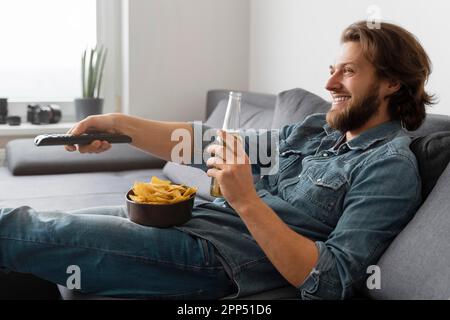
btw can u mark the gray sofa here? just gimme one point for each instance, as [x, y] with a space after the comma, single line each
[415, 266]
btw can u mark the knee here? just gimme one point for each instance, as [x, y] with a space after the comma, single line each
[10, 213]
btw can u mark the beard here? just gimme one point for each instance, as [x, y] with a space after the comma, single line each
[357, 112]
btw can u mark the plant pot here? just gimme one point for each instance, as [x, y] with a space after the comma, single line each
[85, 107]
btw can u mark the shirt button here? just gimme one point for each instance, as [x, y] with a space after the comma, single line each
[325, 154]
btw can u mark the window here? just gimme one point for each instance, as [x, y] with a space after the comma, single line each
[41, 46]
[42, 43]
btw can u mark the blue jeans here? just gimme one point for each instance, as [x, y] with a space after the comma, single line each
[116, 257]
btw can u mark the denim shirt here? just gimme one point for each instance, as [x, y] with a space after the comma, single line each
[350, 198]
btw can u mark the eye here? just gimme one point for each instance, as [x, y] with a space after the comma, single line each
[348, 70]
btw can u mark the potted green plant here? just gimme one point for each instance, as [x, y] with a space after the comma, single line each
[92, 66]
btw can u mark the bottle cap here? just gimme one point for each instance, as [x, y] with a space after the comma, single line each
[235, 94]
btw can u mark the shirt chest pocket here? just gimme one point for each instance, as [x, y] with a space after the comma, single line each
[320, 189]
[287, 160]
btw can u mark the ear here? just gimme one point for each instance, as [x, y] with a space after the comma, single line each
[393, 87]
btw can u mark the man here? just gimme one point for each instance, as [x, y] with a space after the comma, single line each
[347, 184]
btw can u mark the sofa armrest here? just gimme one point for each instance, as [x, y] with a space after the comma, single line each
[24, 158]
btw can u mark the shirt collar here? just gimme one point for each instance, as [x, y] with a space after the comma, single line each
[368, 137]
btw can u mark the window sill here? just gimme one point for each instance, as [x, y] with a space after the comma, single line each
[27, 129]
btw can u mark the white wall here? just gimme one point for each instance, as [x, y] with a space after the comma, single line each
[108, 34]
[292, 42]
[176, 50]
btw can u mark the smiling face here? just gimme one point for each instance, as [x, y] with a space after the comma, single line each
[355, 89]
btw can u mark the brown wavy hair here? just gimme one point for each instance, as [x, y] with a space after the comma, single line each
[396, 55]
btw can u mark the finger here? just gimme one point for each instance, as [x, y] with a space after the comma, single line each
[72, 128]
[227, 137]
[212, 172]
[235, 144]
[105, 146]
[229, 155]
[232, 141]
[215, 162]
[216, 150]
[222, 134]
[90, 148]
[78, 128]
[91, 123]
[70, 148]
[221, 151]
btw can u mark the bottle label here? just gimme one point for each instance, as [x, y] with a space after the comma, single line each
[215, 187]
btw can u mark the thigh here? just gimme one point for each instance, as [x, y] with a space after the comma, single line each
[118, 211]
[115, 257]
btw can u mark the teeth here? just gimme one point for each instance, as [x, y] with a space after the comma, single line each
[340, 99]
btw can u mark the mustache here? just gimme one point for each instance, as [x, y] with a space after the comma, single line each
[341, 92]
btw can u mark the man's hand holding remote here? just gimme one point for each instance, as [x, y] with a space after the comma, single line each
[99, 123]
[150, 136]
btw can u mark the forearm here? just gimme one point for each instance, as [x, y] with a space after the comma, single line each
[150, 135]
[292, 254]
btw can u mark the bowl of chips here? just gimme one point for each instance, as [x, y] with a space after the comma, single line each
[160, 203]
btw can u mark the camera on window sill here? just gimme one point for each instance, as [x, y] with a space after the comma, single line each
[3, 110]
[11, 120]
[37, 114]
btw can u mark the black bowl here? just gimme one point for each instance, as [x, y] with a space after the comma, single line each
[160, 215]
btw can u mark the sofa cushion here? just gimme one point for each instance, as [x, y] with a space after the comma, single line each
[295, 105]
[190, 176]
[433, 155]
[69, 191]
[433, 123]
[417, 263]
[24, 158]
[252, 116]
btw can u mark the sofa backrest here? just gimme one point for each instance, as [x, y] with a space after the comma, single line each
[263, 100]
[433, 123]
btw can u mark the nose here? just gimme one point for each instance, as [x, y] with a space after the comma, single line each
[334, 82]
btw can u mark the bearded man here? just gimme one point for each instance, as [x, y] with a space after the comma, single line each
[347, 184]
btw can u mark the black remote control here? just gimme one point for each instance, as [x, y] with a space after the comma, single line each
[68, 139]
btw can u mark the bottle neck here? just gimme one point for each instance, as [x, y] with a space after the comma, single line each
[232, 115]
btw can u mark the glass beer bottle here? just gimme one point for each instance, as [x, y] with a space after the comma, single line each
[231, 125]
